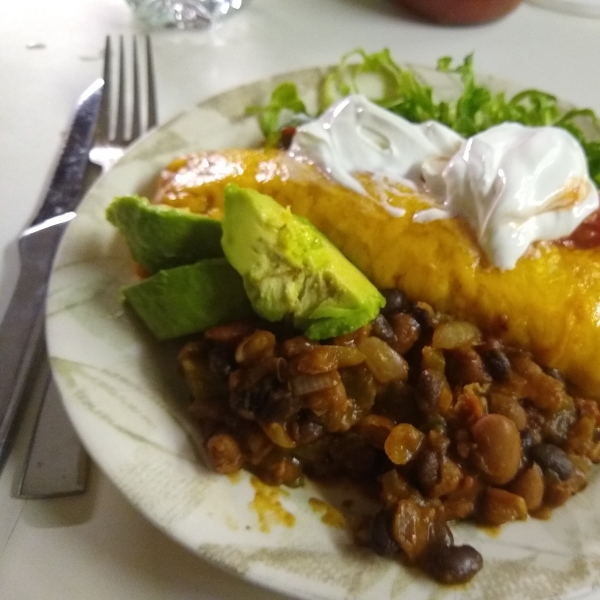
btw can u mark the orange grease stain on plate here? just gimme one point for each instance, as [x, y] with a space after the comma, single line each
[235, 477]
[543, 513]
[267, 506]
[492, 531]
[329, 515]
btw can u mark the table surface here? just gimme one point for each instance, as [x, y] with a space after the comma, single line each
[96, 546]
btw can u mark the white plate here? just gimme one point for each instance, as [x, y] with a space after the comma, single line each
[123, 394]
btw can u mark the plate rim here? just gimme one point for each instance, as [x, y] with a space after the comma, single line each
[132, 152]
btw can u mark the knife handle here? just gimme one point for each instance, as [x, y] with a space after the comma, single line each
[56, 463]
[22, 329]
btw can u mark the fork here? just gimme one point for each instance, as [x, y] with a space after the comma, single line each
[109, 148]
[56, 463]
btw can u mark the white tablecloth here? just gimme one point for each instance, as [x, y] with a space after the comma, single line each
[96, 546]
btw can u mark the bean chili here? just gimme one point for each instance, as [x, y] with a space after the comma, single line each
[447, 423]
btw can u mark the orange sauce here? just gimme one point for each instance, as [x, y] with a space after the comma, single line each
[329, 515]
[235, 477]
[268, 507]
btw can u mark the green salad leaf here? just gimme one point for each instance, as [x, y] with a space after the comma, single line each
[401, 91]
[285, 97]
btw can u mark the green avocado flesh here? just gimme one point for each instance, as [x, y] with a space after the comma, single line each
[189, 299]
[290, 269]
[161, 237]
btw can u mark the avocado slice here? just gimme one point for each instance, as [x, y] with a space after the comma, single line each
[162, 237]
[291, 269]
[190, 298]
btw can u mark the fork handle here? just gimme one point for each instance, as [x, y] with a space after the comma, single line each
[22, 329]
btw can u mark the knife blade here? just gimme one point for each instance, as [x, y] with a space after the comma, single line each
[22, 344]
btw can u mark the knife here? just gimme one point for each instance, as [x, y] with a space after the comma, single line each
[22, 342]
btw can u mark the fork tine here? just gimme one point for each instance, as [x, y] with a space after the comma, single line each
[122, 120]
[152, 108]
[103, 123]
[136, 126]
[120, 127]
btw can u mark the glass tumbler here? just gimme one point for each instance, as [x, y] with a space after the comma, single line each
[183, 14]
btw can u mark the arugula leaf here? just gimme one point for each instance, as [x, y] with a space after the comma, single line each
[477, 108]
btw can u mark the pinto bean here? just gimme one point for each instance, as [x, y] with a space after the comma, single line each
[509, 407]
[464, 366]
[530, 486]
[225, 453]
[498, 448]
[411, 527]
[407, 331]
[501, 506]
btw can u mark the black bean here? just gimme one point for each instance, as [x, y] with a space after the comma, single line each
[221, 360]
[395, 301]
[249, 402]
[267, 401]
[430, 388]
[423, 318]
[398, 402]
[528, 441]
[556, 430]
[383, 330]
[279, 405]
[453, 564]
[304, 430]
[440, 535]
[381, 539]
[428, 469]
[551, 458]
[496, 363]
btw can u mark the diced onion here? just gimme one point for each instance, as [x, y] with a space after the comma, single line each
[347, 356]
[455, 334]
[383, 361]
[306, 384]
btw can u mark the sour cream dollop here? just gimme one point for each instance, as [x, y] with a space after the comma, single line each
[513, 184]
